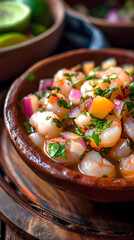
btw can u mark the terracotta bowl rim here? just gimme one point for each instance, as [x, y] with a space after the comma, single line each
[55, 26]
[35, 156]
[99, 21]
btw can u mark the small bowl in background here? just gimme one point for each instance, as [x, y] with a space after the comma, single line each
[119, 35]
[17, 58]
[92, 188]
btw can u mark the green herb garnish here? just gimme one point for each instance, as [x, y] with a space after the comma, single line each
[62, 103]
[46, 94]
[113, 76]
[96, 138]
[104, 176]
[58, 122]
[28, 127]
[42, 109]
[57, 150]
[101, 92]
[30, 77]
[92, 76]
[54, 88]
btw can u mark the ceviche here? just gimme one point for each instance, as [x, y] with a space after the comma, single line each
[113, 11]
[83, 118]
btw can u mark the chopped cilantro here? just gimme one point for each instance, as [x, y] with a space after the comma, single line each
[84, 99]
[113, 76]
[54, 88]
[132, 91]
[57, 150]
[84, 113]
[69, 76]
[53, 148]
[42, 109]
[128, 144]
[48, 117]
[58, 122]
[30, 77]
[83, 155]
[124, 85]
[106, 79]
[46, 94]
[96, 138]
[66, 116]
[97, 68]
[104, 176]
[130, 107]
[101, 92]
[28, 127]
[79, 133]
[63, 103]
[100, 124]
[92, 76]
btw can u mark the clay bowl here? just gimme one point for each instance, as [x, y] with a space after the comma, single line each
[15, 59]
[119, 35]
[93, 188]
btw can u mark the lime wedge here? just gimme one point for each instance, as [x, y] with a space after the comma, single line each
[14, 16]
[8, 39]
[40, 11]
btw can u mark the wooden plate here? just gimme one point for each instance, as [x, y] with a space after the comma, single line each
[42, 210]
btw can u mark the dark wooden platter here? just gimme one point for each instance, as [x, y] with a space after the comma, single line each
[36, 209]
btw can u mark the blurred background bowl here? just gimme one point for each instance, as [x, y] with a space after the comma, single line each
[92, 188]
[17, 58]
[119, 35]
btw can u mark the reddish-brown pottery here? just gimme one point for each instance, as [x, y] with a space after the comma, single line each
[14, 60]
[93, 188]
[119, 35]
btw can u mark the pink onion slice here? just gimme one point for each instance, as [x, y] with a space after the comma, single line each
[75, 96]
[70, 136]
[118, 106]
[30, 105]
[44, 83]
[75, 112]
[89, 103]
[83, 143]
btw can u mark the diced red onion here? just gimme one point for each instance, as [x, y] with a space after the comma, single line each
[132, 78]
[30, 105]
[89, 103]
[40, 105]
[61, 163]
[118, 105]
[119, 97]
[83, 143]
[75, 96]
[44, 83]
[75, 112]
[70, 136]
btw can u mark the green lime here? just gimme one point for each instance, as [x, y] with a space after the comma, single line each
[40, 11]
[14, 16]
[37, 29]
[8, 39]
